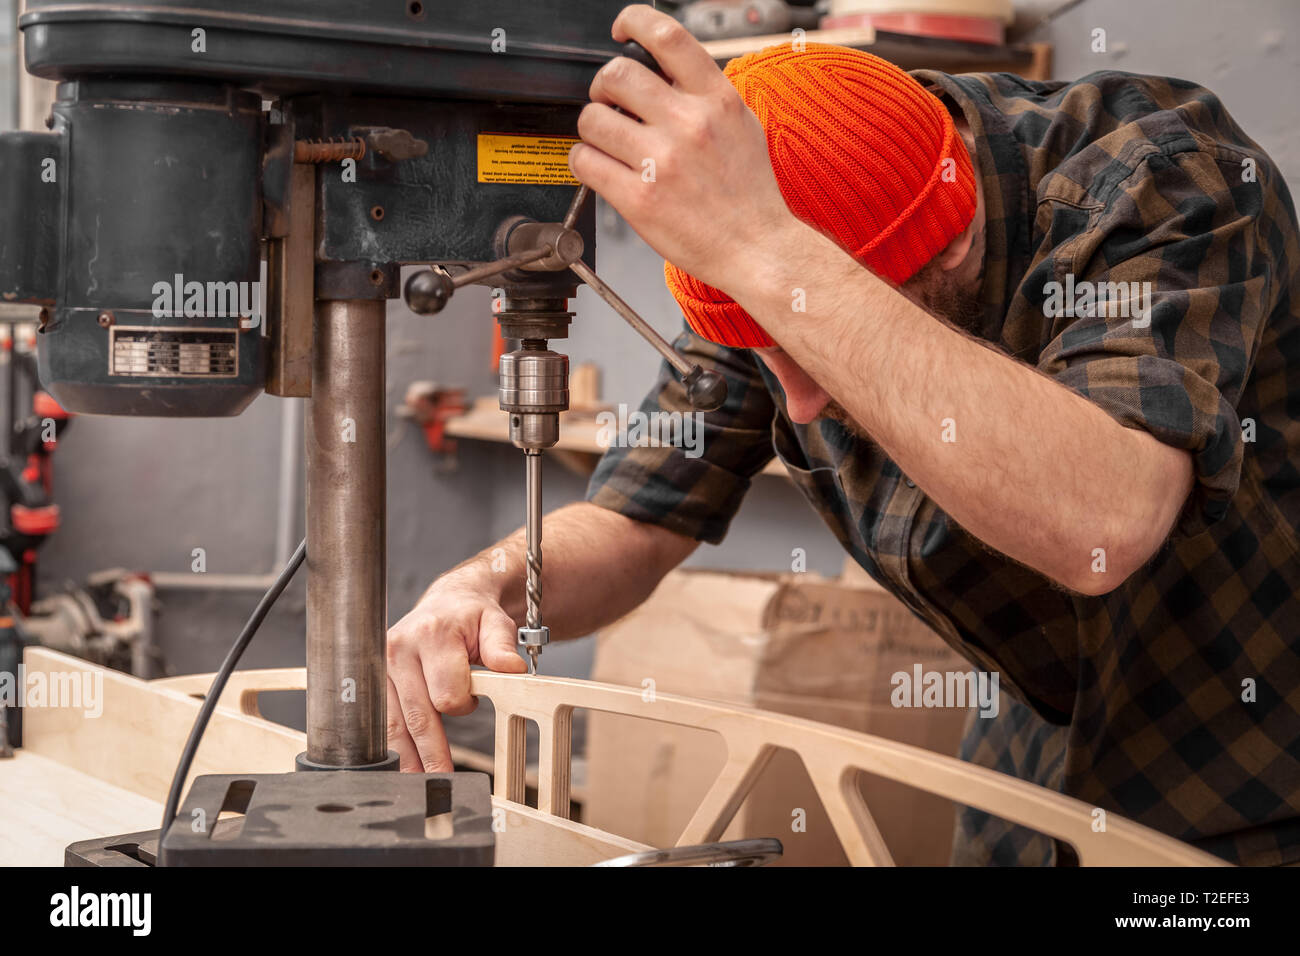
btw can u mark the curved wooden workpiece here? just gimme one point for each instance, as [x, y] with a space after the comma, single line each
[243, 687]
[833, 756]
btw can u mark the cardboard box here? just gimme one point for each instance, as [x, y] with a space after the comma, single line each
[796, 644]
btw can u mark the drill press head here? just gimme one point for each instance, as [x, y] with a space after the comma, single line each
[138, 223]
[145, 256]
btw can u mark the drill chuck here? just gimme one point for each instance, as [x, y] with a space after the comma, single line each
[534, 389]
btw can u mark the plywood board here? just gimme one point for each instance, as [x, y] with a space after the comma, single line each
[45, 805]
[134, 743]
[132, 747]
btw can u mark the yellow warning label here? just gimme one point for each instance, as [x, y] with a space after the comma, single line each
[515, 158]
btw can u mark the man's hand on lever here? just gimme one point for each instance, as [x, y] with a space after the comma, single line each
[712, 198]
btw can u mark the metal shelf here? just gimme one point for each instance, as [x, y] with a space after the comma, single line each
[1033, 61]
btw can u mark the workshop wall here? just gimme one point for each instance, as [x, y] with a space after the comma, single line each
[1247, 52]
[8, 57]
[142, 493]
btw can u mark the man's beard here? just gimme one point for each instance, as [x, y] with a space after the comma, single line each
[839, 414]
[931, 290]
[934, 291]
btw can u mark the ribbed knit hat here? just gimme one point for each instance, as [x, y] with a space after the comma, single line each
[860, 153]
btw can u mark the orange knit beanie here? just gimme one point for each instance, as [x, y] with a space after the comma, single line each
[861, 152]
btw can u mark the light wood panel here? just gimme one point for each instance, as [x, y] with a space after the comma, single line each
[241, 695]
[45, 805]
[832, 755]
[136, 741]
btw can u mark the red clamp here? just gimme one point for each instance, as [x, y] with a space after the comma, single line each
[44, 405]
[34, 522]
[429, 406]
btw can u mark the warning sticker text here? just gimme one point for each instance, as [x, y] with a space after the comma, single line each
[516, 158]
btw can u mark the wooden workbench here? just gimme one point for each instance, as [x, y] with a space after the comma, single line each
[45, 805]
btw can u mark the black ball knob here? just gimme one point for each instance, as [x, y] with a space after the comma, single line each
[705, 390]
[635, 51]
[428, 291]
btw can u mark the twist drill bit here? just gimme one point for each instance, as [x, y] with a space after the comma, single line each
[533, 523]
[534, 589]
[534, 635]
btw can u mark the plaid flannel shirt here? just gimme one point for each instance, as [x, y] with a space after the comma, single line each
[1175, 699]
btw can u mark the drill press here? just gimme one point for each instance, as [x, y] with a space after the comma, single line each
[192, 139]
[534, 381]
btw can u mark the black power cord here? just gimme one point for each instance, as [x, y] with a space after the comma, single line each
[219, 684]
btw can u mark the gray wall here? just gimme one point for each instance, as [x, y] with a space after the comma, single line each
[8, 57]
[143, 493]
[1246, 51]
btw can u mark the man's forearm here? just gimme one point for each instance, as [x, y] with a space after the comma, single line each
[596, 566]
[1029, 467]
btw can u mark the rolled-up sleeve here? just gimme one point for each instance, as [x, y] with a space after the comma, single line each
[695, 485]
[1181, 283]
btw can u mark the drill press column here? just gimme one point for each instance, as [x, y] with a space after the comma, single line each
[346, 579]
